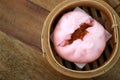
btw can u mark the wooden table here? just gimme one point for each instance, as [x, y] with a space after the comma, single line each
[21, 57]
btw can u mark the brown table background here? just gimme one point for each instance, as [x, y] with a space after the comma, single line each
[21, 57]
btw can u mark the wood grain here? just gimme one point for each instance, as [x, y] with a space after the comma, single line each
[19, 61]
[115, 4]
[22, 20]
[47, 4]
[21, 58]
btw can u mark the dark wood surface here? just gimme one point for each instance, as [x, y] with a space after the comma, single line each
[21, 57]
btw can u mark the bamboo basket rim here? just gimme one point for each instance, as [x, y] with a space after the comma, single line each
[99, 4]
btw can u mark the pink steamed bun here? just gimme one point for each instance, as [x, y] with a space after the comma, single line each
[78, 37]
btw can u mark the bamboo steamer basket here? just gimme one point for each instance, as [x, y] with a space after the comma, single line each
[104, 14]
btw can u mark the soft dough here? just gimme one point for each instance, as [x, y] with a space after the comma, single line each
[83, 50]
